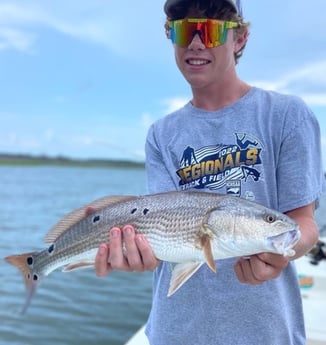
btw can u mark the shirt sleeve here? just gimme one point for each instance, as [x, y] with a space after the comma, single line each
[158, 176]
[299, 171]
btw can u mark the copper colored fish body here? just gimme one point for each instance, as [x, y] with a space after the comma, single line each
[187, 228]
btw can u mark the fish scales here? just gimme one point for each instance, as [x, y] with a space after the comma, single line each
[187, 228]
[162, 217]
[180, 220]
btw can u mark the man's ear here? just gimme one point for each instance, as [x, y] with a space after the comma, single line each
[241, 40]
[167, 29]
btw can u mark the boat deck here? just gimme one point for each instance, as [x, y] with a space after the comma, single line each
[140, 339]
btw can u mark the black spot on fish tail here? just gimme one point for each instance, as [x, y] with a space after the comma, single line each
[96, 219]
[51, 248]
[25, 262]
[134, 210]
[146, 210]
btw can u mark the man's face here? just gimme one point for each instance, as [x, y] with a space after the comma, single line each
[203, 66]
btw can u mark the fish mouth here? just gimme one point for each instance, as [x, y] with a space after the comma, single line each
[283, 243]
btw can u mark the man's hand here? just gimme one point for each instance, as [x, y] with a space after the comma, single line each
[135, 255]
[259, 268]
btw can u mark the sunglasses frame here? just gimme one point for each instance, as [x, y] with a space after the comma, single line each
[222, 27]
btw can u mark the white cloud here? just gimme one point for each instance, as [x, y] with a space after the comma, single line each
[175, 103]
[14, 12]
[315, 99]
[11, 38]
[146, 120]
[308, 82]
[94, 21]
[49, 135]
[309, 76]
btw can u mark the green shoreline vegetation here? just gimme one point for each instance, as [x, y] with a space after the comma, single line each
[29, 160]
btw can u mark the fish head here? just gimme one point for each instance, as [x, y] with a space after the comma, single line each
[252, 227]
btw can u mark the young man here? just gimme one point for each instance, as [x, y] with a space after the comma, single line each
[230, 138]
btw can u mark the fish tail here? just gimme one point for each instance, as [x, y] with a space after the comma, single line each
[24, 262]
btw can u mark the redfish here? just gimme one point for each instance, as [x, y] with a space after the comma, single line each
[186, 228]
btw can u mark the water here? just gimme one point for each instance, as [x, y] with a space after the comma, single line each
[73, 308]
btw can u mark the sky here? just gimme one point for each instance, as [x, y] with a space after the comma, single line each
[86, 78]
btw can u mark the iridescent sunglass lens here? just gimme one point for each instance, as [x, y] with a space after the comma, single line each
[212, 32]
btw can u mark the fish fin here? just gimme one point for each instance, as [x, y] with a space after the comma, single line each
[203, 242]
[181, 273]
[89, 210]
[78, 265]
[31, 278]
[79, 214]
[207, 248]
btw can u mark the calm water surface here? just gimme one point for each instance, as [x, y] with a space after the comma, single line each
[73, 308]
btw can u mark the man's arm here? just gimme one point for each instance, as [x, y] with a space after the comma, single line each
[304, 216]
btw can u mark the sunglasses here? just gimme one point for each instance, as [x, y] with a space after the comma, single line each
[212, 32]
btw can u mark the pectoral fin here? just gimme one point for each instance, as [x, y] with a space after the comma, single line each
[207, 248]
[204, 239]
[181, 273]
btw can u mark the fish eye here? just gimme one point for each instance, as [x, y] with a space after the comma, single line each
[270, 218]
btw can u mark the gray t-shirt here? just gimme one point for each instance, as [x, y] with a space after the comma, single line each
[265, 147]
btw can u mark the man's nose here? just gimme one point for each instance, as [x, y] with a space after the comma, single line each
[196, 43]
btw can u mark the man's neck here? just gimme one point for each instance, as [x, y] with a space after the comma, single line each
[219, 97]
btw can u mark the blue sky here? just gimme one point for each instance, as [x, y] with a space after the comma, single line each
[85, 78]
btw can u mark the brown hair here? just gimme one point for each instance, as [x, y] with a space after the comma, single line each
[209, 9]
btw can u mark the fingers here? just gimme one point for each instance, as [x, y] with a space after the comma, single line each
[128, 252]
[149, 260]
[117, 257]
[102, 266]
[245, 272]
[260, 268]
[274, 260]
[139, 255]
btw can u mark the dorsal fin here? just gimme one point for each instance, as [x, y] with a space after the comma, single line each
[79, 214]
